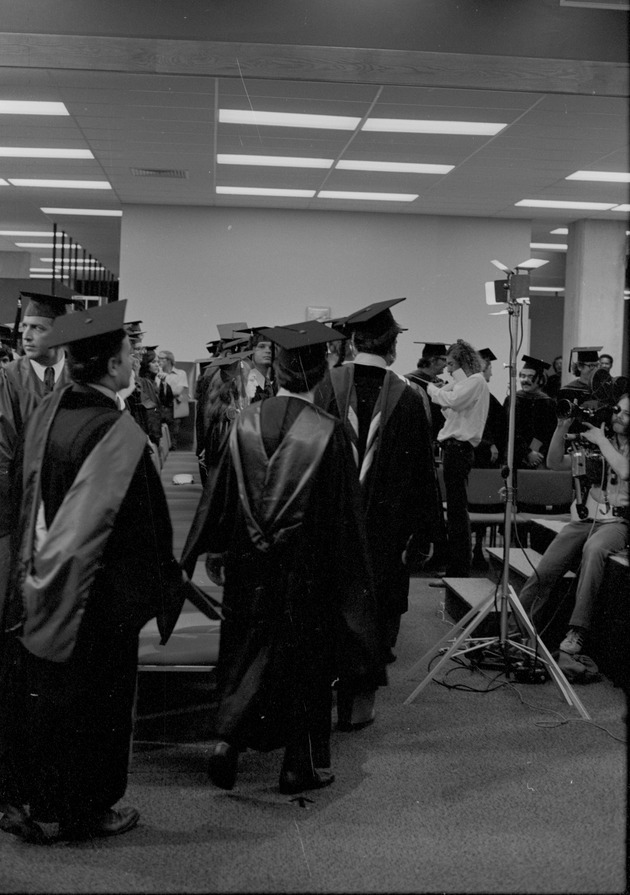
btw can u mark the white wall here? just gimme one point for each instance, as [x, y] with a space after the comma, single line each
[185, 269]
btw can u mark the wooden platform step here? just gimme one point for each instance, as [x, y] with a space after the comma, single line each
[523, 562]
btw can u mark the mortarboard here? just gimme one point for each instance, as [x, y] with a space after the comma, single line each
[87, 324]
[227, 330]
[134, 330]
[150, 347]
[433, 349]
[299, 336]
[227, 360]
[534, 363]
[376, 318]
[488, 354]
[212, 347]
[40, 305]
[588, 355]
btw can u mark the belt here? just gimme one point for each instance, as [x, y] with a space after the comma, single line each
[454, 441]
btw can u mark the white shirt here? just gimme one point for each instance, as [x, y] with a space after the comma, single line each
[40, 369]
[178, 381]
[465, 401]
[254, 378]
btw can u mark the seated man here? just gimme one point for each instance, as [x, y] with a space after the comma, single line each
[592, 539]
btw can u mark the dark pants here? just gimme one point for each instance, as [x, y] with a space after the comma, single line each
[458, 461]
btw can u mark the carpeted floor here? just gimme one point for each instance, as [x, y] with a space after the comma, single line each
[499, 791]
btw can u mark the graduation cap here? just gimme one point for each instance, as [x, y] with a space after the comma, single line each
[134, 330]
[227, 360]
[589, 355]
[375, 318]
[227, 330]
[300, 336]
[534, 363]
[212, 347]
[150, 347]
[487, 354]
[40, 305]
[434, 349]
[87, 324]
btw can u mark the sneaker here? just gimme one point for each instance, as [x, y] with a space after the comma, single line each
[572, 643]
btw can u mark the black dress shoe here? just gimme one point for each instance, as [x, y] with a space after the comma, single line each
[292, 782]
[16, 821]
[223, 765]
[349, 727]
[112, 822]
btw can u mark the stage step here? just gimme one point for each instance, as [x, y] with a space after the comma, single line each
[463, 594]
[523, 561]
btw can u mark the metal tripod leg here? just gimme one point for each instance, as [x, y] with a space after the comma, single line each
[467, 627]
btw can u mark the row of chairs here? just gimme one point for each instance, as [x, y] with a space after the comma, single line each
[538, 492]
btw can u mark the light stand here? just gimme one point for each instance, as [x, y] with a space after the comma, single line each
[515, 286]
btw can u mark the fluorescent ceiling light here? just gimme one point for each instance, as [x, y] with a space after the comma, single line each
[382, 197]
[549, 246]
[560, 231]
[33, 233]
[43, 245]
[40, 270]
[63, 184]
[70, 263]
[394, 167]
[287, 119]
[552, 203]
[624, 208]
[41, 276]
[24, 152]
[95, 212]
[411, 126]
[601, 176]
[21, 107]
[273, 161]
[546, 288]
[3, 182]
[260, 191]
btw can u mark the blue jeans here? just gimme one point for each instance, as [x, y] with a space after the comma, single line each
[587, 544]
[458, 459]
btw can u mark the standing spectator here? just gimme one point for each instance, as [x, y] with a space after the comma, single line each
[465, 400]
[149, 395]
[23, 384]
[391, 438]
[224, 400]
[281, 524]
[96, 564]
[553, 383]
[534, 416]
[178, 382]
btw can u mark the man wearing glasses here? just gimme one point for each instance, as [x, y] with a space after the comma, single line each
[581, 389]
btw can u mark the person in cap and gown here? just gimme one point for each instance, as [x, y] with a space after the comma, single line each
[23, 384]
[225, 399]
[431, 364]
[534, 416]
[280, 522]
[586, 363]
[391, 438]
[95, 564]
[490, 451]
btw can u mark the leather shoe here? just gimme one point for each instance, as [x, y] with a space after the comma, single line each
[223, 765]
[16, 821]
[112, 822]
[349, 727]
[292, 782]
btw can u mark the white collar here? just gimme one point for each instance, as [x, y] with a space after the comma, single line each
[305, 396]
[40, 369]
[370, 360]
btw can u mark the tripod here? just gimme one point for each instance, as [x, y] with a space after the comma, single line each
[464, 643]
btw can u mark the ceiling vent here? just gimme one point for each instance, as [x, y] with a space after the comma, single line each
[160, 172]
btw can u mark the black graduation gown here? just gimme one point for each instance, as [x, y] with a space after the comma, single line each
[400, 496]
[78, 713]
[298, 604]
[495, 432]
[535, 418]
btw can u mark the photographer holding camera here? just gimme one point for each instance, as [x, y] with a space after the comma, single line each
[599, 525]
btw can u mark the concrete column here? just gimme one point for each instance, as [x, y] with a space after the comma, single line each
[594, 284]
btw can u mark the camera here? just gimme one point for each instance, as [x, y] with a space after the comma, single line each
[600, 413]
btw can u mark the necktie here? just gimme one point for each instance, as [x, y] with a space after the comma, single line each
[49, 379]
